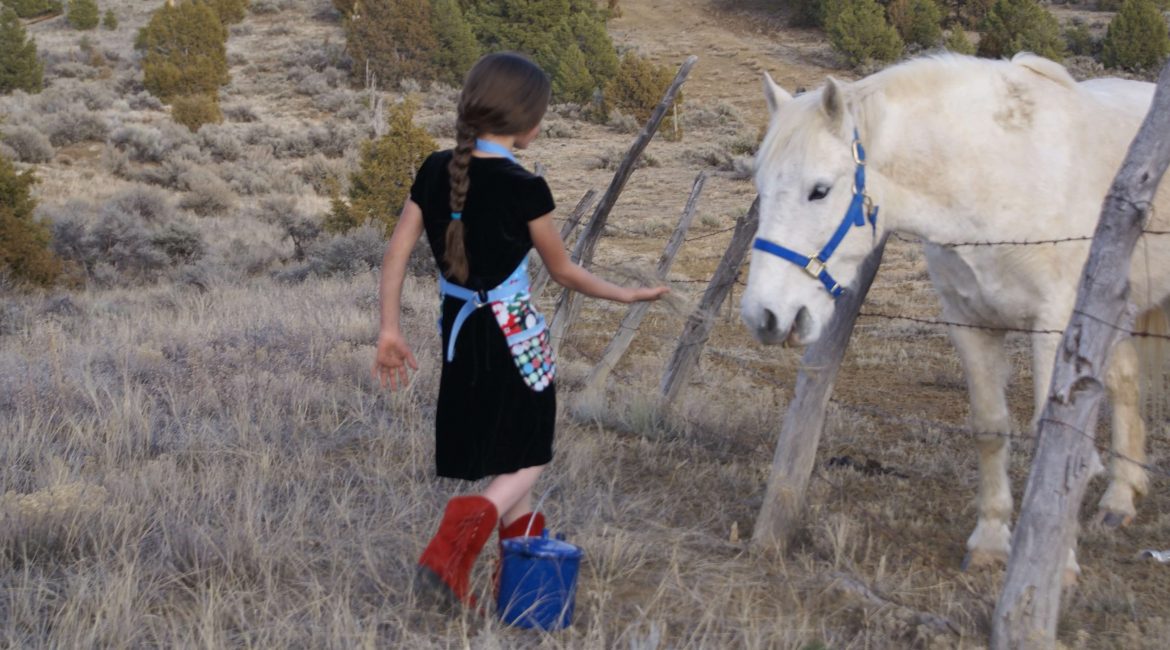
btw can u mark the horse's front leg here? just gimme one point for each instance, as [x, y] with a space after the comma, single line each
[985, 364]
[1129, 478]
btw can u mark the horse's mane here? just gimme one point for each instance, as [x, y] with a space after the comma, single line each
[930, 72]
[927, 74]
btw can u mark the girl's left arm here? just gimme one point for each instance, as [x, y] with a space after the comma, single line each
[393, 355]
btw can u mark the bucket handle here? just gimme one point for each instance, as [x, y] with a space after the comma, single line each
[540, 502]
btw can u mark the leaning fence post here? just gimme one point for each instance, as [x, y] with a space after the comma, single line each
[540, 277]
[1029, 606]
[800, 435]
[591, 397]
[698, 326]
[566, 305]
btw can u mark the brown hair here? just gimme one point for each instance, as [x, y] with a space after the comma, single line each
[504, 94]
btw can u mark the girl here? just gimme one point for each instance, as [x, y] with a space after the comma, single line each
[482, 213]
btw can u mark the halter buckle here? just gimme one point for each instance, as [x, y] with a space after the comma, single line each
[480, 299]
[814, 267]
[857, 158]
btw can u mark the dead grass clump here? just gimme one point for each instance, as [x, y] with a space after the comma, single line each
[558, 129]
[239, 113]
[609, 160]
[721, 117]
[622, 123]
[206, 193]
[75, 125]
[28, 144]
[350, 253]
[319, 172]
[152, 144]
[220, 142]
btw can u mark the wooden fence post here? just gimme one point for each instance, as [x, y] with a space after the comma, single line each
[583, 252]
[800, 435]
[540, 277]
[592, 397]
[1028, 608]
[698, 326]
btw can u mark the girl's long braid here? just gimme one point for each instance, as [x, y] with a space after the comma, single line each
[455, 256]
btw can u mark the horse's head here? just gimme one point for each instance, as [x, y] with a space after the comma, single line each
[815, 230]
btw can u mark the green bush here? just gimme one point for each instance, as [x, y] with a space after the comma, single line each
[31, 8]
[19, 67]
[1014, 26]
[379, 188]
[229, 11]
[185, 51]
[24, 241]
[958, 42]
[809, 13]
[637, 88]
[917, 21]
[394, 39]
[567, 38]
[1137, 37]
[83, 14]
[457, 50]
[110, 20]
[193, 111]
[1080, 41]
[858, 30]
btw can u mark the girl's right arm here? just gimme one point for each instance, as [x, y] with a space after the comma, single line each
[393, 355]
[548, 243]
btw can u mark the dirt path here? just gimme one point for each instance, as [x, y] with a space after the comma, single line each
[733, 49]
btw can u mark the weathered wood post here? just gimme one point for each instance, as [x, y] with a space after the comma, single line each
[592, 397]
[698, 326]
[583, 252]
[800, 435]
[540, 277]
[1029, 606]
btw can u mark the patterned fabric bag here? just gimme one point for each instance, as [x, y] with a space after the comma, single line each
[528, 340]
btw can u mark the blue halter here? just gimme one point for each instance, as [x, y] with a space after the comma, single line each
[861, 209]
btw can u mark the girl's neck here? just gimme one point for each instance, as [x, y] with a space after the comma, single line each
[506, 141]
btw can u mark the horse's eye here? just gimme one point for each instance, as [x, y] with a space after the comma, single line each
[819, 192]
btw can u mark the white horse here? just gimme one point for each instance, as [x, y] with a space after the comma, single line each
[958, 149]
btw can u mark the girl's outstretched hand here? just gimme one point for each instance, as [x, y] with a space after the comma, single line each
[648, 293]
[391, 360]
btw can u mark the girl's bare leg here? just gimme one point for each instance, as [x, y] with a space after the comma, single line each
[512, 493]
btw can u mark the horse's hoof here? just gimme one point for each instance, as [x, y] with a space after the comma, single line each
[1114, 520]
[1069, 577]
[977, 559]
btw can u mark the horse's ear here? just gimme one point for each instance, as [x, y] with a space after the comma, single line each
[774, 94]
[833, 102]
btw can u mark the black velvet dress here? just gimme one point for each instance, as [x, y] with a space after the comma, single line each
[488, 421]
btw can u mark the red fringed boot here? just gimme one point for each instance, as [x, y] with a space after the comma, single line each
[445, 565]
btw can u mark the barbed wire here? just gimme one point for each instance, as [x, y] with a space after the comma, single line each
[927, 423]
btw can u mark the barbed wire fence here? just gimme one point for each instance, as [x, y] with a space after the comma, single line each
[889, 417]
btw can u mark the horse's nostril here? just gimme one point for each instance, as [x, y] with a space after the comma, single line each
[769, 321]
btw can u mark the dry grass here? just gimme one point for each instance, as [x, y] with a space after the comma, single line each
[204, 461]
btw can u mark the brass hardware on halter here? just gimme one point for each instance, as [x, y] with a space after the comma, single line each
[814, 267]
[857, 159]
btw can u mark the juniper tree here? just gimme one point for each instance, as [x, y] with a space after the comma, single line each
[24, 241]
[1137, 37]
[19, 67]
[185, 51]
[1013, 26]
[83, 14]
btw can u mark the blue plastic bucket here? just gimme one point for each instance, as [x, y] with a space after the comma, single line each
[538, 582]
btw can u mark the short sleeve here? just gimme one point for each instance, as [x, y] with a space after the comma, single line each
[535, 198]
[423, 179]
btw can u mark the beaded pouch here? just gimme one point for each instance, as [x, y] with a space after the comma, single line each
[528, 340]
